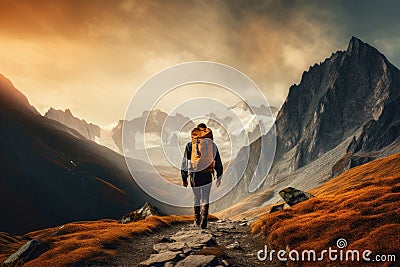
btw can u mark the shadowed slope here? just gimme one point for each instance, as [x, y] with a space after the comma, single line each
[49, 175]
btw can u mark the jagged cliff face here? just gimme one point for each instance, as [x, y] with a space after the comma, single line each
[87, 130]
[378, 138]
[333, 100]
[380, 133]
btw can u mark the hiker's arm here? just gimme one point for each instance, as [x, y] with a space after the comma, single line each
[184, 166]
[218, 165]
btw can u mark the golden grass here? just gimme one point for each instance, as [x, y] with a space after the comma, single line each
[75, 242]
[361, 205]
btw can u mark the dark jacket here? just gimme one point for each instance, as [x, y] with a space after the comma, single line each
[185, 162]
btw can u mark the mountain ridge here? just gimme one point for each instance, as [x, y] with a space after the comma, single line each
[88, 130]
[50, 174]
[332, 83]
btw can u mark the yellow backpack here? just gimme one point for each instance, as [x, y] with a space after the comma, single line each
[202, 158]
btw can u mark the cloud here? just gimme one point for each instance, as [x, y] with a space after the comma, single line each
[91, 56]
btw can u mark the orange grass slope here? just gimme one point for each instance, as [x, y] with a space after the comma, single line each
[75, 242]
[362, 205]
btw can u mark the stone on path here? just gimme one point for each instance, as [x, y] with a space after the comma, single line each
[175, 246]
[161, 258]
[194, 238]
[234, 245]
[196, 261]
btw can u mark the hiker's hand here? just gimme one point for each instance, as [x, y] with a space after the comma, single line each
[218, 182]
[185, 183]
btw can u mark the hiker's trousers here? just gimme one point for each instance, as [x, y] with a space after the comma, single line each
[201, 186]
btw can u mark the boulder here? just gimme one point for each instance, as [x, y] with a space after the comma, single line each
[197, 261]
[234, 245]
[277, 208]
[29, 251]
[161, 258]
[293, 196]
[144, 212]
[175, 246]
[225, 227]
[195, 238]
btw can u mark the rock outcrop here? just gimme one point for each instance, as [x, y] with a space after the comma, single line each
[293, 196]
[29, 251]
[144, 212]
[87, 130]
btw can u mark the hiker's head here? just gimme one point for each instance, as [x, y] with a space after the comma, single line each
[202, 125]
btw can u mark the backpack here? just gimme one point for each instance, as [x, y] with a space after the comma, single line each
[202, 157]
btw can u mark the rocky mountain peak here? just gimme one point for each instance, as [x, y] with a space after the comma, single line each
[356, 46]
[88, 130]
[334, 100]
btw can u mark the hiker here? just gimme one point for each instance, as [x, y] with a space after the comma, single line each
[203, 156]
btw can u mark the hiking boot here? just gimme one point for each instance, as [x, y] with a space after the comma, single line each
[204, 220]
[197, 217]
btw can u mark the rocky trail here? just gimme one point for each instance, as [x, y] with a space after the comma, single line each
[224, 243]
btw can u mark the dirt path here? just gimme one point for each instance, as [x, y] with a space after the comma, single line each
[224, 243]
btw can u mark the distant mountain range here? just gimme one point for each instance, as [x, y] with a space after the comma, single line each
[154, 121]
[239, 122]
[88, 130]
[235, 119]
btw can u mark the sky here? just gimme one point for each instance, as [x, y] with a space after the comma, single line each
[92, 56]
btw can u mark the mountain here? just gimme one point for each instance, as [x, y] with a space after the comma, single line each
[156, 122]
[88, 130]
[333, 100]
[51, 175]
[240, 120]
[320, 118]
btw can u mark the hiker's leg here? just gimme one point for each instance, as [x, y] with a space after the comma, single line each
[205, 199]
[196, 200]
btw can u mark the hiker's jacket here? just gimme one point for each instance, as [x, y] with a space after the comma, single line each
[186, 158]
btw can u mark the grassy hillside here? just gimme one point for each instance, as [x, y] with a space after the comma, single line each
[74, 242]
[361, 205]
